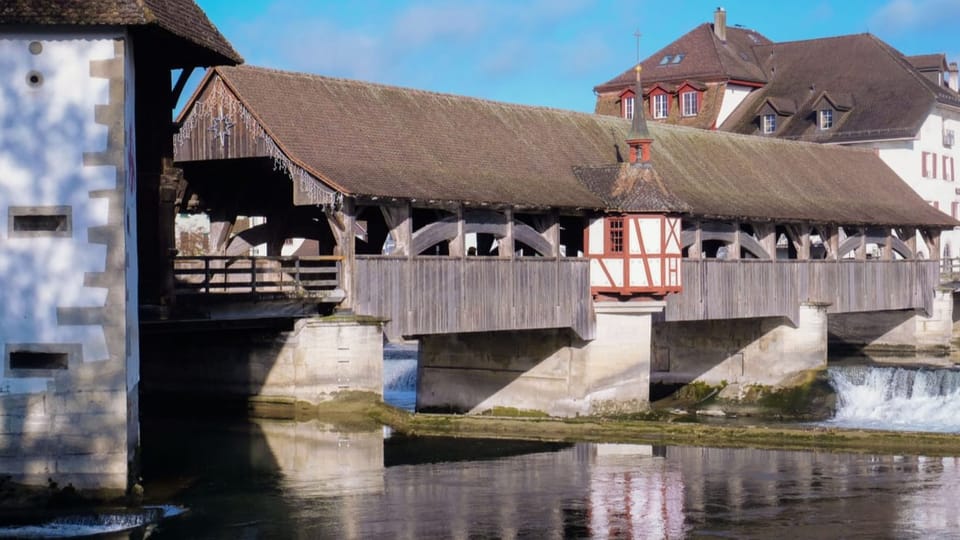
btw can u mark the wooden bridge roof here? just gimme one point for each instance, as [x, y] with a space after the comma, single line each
[181, 18]
[371, 140]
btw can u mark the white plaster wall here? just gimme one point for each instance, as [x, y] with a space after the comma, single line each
[733, 96]
[45, 132]
[906, 159]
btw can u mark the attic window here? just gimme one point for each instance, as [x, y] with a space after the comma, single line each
[769, 122]
[825, 118]
[660, 106]
[671, 59]
[628, 103]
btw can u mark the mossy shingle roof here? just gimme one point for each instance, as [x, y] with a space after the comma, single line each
[372, 140]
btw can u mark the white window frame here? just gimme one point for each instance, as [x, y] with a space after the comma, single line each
[661, 106]
[690, 103]
[628, 107]
[769, 123]
[825, 119]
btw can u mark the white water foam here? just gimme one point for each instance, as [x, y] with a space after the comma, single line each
[897, 398]
[93, 524]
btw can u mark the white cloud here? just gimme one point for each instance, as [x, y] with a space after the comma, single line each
[423, 24]
[905, 15]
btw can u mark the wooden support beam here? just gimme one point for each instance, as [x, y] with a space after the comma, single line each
[831, 241]
[221, 227]
[179, 85]
[803, 247]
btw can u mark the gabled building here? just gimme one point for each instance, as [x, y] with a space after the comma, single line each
[853, 90]
[85, 104]
[696, 81]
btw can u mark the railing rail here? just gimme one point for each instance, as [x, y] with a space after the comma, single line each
[288, 276]
[749, 288]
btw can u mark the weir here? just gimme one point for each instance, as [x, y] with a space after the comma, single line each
[897, 398]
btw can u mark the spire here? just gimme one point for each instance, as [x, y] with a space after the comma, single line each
[639, 139]
[638, 130]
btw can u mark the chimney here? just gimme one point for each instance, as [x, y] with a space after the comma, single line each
[720, 24]
[954, 76]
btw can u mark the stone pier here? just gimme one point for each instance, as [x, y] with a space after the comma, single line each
[907, 332]
[764, 351]
[311, 362]
[552, 371]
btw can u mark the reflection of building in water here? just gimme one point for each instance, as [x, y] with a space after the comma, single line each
[940, 477]
[634, 494]
[317, 460]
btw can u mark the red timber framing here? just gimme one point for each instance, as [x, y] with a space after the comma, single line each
[634, 254]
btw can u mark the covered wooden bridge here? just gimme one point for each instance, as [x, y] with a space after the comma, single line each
[446, 214]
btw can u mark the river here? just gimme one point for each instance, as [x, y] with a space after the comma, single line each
[276, 479]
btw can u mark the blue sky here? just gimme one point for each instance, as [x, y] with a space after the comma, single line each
[538, 52]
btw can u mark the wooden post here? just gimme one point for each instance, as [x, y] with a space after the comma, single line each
[834, 242]
[861, 253]
[695, 251]
[551, 231]
[909, 237]
[342, 226]
[456, 246]
[803, 245]
[734, 252]
[400, 224]
[506, 243]
[887, 253]
[767, 235]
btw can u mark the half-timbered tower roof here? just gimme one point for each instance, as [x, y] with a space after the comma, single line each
[374, 141]
[195, 36]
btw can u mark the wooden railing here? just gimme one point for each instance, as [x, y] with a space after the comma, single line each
[949, 270]
[285, 276]
[439, 295]
[746, 288]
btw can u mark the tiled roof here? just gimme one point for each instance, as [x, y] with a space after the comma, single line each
[705, 58]
[886, 96]
[181, 18]
[373, 140]
[928, 61]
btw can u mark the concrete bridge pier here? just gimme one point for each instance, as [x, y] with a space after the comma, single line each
[765, 351]
[310, 361]
[553, 371]
[904, 332]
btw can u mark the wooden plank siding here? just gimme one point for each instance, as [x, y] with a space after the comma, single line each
[440, 295]
[745, 288]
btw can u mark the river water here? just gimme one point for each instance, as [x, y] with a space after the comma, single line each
[276, 479]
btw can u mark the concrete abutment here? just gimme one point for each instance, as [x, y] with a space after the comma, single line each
[903, 332]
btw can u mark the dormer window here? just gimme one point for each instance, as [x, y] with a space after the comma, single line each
[825, 118]
[660, 105]
[628, 104]
[690, 103]
[769, 123]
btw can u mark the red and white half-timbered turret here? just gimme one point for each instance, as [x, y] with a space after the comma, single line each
[635, 253]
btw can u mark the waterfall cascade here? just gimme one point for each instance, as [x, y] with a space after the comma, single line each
[897, 398]
[400, 376]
